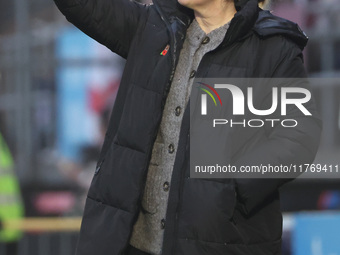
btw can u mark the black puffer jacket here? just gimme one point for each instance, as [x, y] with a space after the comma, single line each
[203, 216]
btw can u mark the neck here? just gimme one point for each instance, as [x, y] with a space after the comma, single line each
[214, 14]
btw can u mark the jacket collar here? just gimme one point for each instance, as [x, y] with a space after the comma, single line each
[172, 9]
[249, 17]
[243, 21]
[240, 25]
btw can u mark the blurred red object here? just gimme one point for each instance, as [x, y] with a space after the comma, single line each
[54, 202]
[100, 99]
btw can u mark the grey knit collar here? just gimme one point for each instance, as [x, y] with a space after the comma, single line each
[196, 35]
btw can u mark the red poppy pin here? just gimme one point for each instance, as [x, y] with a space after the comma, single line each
[165, 51]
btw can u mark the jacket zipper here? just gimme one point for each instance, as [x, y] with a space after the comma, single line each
[167, 87]
[180, 201]
[173, 53]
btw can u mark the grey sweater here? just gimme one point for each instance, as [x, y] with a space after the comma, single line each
[148, 230]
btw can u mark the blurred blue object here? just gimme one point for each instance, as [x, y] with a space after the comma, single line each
[316, 234]
[72, 81]
[88, 73]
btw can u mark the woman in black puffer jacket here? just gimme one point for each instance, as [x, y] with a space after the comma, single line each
[141, 199]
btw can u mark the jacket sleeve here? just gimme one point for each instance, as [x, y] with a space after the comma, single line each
[284, 146]
[112, 23]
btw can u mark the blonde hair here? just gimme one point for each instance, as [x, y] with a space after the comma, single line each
[264, 3]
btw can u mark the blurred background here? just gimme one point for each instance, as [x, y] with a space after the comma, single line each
[57, 87]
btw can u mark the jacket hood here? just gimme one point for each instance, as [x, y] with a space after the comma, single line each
[268, 24]
[248, 17]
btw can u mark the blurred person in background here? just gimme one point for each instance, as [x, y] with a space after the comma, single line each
[11, 205]
[141, 199]
[81, 173]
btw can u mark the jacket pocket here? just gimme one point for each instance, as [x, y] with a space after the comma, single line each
[157, 154]
[103, 229]
[207, 209]
[120, 179]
